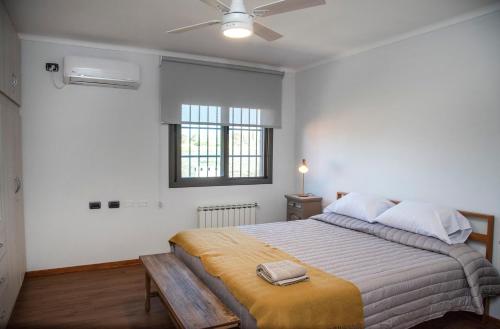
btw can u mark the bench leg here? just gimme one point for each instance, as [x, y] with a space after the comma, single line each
[148, 292]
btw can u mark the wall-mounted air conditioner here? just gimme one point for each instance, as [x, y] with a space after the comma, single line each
[101, 72]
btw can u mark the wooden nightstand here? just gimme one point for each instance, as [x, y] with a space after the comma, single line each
[299, 207]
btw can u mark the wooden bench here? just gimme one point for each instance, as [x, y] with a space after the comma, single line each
[190, 303]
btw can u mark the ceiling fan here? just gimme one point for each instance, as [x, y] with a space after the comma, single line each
[238, 23]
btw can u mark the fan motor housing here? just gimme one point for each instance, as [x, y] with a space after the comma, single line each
[237, 20]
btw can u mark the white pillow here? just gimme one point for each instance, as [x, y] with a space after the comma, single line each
[440, 222]
[361, 206]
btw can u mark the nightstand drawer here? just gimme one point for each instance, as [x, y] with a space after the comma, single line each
[294, 205]
[294, 213]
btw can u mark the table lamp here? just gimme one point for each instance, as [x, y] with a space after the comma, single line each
[303, 169]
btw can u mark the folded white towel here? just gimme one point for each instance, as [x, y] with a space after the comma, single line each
[282, 273]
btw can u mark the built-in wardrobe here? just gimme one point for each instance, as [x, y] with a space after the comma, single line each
[12, 242]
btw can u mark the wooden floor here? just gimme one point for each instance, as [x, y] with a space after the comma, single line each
[115, 299]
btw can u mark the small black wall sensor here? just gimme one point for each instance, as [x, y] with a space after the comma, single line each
[113, 204]
[95, 205]
[52, 67]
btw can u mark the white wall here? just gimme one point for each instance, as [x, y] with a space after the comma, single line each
[86, 143]
[418, 119]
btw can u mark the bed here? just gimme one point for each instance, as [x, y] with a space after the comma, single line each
[404, 278]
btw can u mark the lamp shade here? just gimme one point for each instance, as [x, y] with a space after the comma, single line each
[303, 167]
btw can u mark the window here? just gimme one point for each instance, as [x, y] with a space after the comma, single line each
[205, 153]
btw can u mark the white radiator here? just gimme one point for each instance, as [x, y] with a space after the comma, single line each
[227, 215]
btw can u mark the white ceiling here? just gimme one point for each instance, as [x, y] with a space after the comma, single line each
[311, 35]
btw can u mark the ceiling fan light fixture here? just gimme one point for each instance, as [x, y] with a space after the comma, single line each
[237, 32]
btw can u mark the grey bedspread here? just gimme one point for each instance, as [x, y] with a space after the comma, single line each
[404, 278]
[483, 279]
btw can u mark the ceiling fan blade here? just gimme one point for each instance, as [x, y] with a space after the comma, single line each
[193, 27]
[265, 32]
[219, 5]
[284, 6]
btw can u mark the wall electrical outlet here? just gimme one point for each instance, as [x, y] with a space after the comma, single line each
[52, 67]
[142, 204]
[134, 204]
[95, 205]
[113, 204]
[128, 204]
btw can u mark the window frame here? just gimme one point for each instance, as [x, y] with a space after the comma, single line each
[174, 161]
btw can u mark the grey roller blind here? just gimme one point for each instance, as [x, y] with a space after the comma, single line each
[212, 93]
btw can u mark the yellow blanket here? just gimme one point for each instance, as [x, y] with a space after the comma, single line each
[324, 301]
